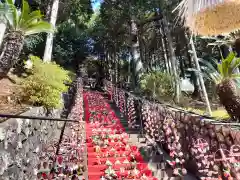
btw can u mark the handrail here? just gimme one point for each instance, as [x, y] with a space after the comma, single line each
[37, 118]
[205, 117]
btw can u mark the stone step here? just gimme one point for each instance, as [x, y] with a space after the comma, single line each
[156, 163]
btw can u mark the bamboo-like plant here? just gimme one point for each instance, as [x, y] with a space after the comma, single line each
[21, 23]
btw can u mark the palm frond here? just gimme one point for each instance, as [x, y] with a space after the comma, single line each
[31, 19]
[24, 13]
[227, 64]
[209, 74]
[235, 64]
[12, 15]
[217, 72]
[39, 27]
[208, 64]
[27, 22]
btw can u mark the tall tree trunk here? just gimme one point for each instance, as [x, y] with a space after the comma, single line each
[196, 92]
[129, 67]
[167, 62]
[49, 42]
[48, 10]
[178, 53]
[106, 64]
[173, 60]
[111, 65]
[114, 65]
[116, 69]
[137, 64]
[109, 62]
[141, 44]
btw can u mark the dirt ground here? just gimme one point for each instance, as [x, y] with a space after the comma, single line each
[8, 102]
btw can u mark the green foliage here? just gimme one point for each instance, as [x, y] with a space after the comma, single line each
[218, 72]
[27, 22]
[45, 84]
[157, 84]
[228, 66]
[70, 45]
[31, 42]
[71, 40]
[79, 11]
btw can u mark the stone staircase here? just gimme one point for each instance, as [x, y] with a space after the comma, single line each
[156, 158]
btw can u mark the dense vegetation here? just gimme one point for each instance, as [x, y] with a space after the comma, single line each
[140, 45]
[44, 84]
[25, 39]
[148, 34]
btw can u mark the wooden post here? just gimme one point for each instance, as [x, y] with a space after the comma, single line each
[200, 77]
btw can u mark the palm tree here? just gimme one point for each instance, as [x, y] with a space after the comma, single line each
[226, 80]
[21, 24]
[214, 17]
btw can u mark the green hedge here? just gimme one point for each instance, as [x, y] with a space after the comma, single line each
[158, 84]
[45, 84]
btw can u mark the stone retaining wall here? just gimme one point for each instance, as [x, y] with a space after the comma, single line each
[22, 142]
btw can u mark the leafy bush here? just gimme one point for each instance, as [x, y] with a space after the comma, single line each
[45, 84]
[158, 84]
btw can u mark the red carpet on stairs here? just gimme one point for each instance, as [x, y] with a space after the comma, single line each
[109, 154]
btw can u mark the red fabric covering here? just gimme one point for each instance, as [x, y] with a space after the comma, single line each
[101, 121]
